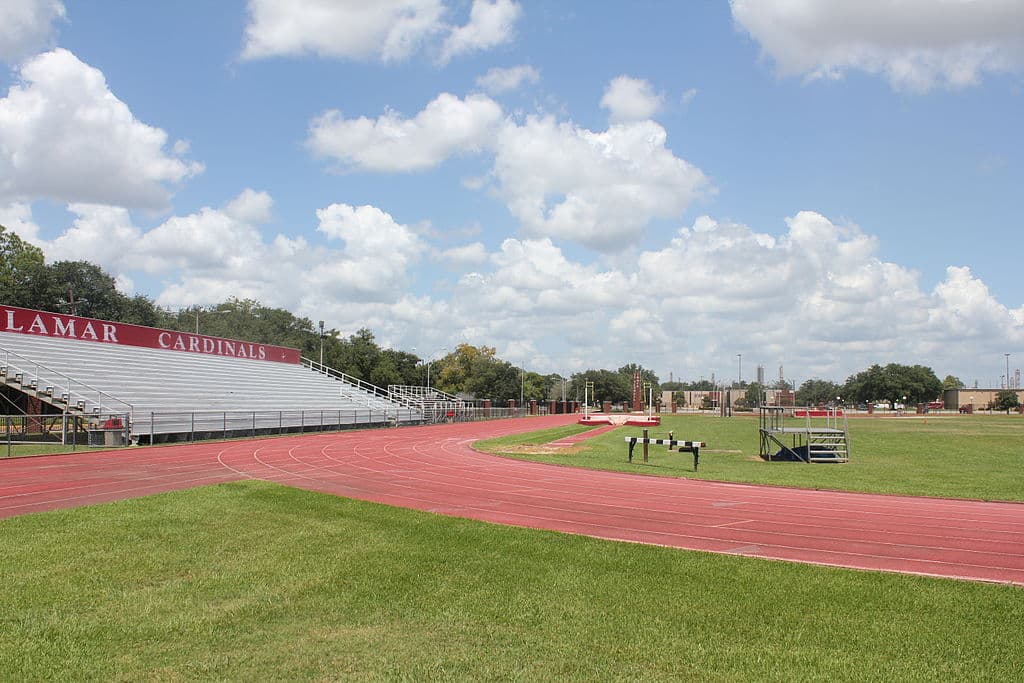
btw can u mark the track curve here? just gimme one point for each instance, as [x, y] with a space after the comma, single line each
[435, 469]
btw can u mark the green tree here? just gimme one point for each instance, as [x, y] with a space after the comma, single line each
[23, 273]
[608, 385]
[952, 382]
[248, 320]
[407, 366]
[894, 383]
[753, 397]
[359, 354]
[85, 289]
[478, 372]
[453, 373]
[140, 310]
[1007, 400]
[817, 392]
[494, 379]
[385, 372]
[646, 377]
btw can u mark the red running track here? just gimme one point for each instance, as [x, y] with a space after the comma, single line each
[435, 469]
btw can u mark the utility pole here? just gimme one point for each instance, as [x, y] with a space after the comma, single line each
[522, 385]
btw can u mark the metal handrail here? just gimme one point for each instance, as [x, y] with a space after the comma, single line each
[100, 394]
[362, 385]
[420, 393]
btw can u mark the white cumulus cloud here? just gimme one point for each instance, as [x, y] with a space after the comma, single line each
[631, 99]
[599, 189]
[385, 30]
[65, 136]
[467, 255]
[915, 44]
[250, 207]
[382, 30]
[26, 26]
[499, 80]
[446, 126]
[491, 23]
[368, 231]
[17, 217]
[99, 234]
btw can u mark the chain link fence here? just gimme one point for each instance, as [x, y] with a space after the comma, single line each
[31, 434]
[34, 434]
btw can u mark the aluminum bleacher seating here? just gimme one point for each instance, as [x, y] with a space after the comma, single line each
[167, 391]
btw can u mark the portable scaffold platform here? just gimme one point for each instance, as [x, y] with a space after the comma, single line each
[813, 434]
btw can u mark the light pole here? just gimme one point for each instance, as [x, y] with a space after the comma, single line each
[522, 385]
[430, 360]
[739, 372]
[1007, 370]
[321, 344]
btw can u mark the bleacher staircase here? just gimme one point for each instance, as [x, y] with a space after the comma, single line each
[813, 435]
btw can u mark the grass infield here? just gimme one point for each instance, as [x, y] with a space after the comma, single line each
[21, 450]
[957, 457]
[255, 581]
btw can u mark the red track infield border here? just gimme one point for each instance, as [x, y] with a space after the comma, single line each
[436, 470]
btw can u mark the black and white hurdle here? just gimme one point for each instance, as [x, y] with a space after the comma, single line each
[682, 446]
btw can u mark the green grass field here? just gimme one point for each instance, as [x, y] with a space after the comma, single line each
[21, 450]
[254, 581]
[959, 457]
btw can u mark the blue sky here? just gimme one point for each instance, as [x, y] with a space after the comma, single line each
[814, 185]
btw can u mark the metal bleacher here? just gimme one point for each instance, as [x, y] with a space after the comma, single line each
[433, 404]
[170, 392]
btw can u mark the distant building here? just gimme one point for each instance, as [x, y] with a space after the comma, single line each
[978, 399]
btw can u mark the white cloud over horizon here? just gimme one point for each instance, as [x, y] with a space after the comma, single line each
[916, 45]
[816, 297]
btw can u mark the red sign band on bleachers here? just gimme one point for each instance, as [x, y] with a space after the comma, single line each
[58, 325]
